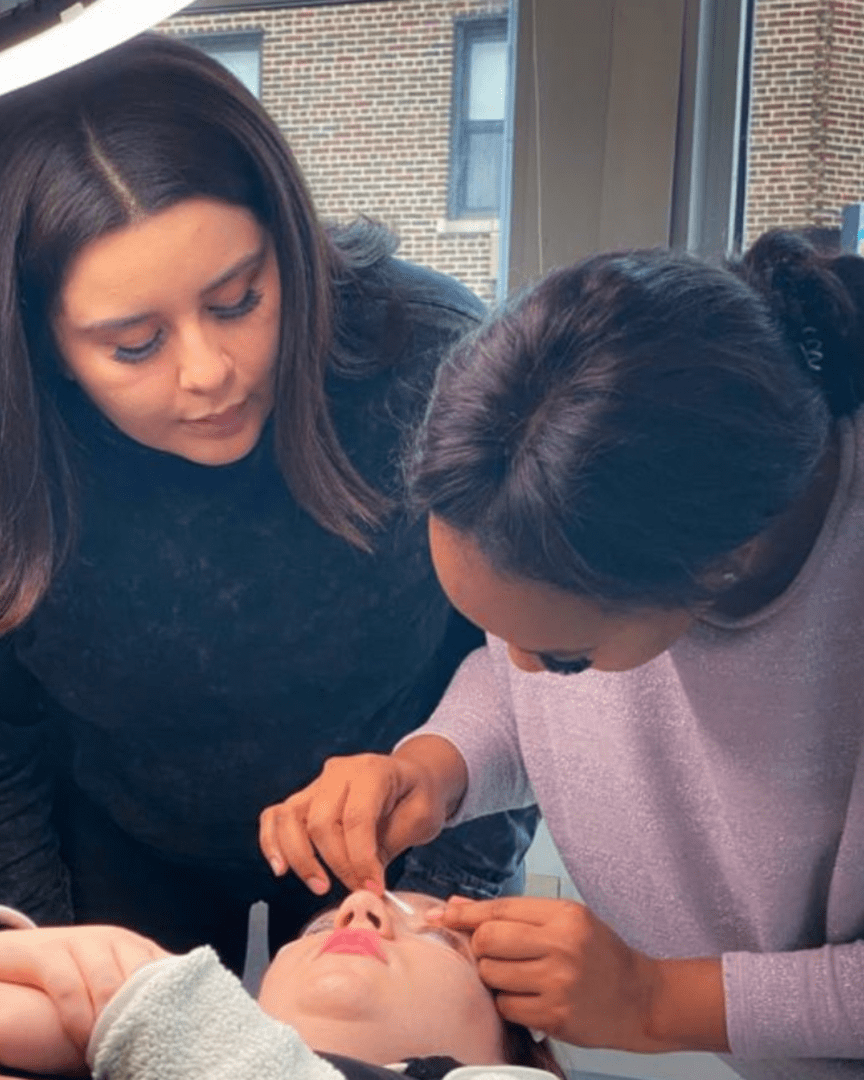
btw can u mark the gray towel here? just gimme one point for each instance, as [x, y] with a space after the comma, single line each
[187, 1017]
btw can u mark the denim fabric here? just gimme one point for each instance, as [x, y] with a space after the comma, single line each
[481, 859]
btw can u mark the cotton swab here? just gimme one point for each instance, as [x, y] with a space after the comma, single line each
[404, 907]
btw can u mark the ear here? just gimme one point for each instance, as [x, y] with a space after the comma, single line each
[733, 568]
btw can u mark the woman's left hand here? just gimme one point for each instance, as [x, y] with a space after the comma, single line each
[556, 967]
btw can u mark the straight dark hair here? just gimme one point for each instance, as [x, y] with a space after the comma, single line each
[103, 145]
[621, 428]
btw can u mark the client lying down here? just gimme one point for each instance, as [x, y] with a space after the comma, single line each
[366, 981]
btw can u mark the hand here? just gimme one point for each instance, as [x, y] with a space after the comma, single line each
[362, 812]
[79, 968]
[557, 967]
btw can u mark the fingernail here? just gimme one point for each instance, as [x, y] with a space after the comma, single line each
[373, 886]
[318, 885]
[434, 914]
[276, 866]
[456, 899]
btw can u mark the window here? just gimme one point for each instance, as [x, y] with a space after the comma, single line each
[479, 94]
[240, 53]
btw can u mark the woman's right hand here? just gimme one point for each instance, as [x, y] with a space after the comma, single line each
[363, 811]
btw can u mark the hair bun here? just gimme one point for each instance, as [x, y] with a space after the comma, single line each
[808, 296]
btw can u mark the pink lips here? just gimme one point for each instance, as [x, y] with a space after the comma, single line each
[227, 422]
[357, 942]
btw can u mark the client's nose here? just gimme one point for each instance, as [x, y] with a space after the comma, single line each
[365, 910]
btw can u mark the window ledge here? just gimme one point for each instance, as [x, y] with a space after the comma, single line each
[467, 225]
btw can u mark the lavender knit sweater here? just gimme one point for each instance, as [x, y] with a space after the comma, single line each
[711, 802]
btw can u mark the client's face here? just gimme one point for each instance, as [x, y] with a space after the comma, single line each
[369, 982]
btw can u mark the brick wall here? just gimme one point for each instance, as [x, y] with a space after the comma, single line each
[806, 148]
[362, 94]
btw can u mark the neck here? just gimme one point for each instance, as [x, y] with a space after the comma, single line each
[775, 557]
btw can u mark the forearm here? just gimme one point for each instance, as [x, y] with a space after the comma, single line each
[806, 1003]
[476, 716]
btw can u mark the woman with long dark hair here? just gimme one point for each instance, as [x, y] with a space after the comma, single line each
[208, 582]
[646, 472]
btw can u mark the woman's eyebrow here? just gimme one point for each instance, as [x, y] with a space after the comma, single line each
[253, 260]
[246, 263]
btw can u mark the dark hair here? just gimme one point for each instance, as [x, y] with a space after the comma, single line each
[95, 148]
[520, 1048]
[623, 426]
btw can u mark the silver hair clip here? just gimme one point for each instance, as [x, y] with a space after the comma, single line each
[811, 348]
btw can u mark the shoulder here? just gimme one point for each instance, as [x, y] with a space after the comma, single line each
[397, 322]
[429, 289]
[396, 303]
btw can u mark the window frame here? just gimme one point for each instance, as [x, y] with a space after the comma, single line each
[467, 31]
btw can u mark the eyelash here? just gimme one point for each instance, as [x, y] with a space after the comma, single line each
[326, 922]
[564, 667]
[143, 352]
[446, 936]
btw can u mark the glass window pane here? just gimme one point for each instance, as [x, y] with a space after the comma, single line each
[483, 171]
[487, 80]
[244, 61]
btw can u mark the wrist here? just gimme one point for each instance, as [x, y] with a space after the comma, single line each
[443, 768]
[687, 1006]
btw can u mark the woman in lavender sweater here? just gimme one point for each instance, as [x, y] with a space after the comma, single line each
[650, 472]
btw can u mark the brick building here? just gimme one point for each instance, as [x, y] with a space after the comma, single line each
[375, 98]
[362, 92]
[806, 140]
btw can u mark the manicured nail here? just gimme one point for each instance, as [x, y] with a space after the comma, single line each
[318, 885]
[276, 866]
[434, 914]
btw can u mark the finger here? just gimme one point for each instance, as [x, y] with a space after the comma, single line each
[533, 910]
[286, 843]
[326, 828]
[62, 981]
[364, 816]
[509, 941]
[525, 1009]
[267, 840]
[99, 969]
[529, 977]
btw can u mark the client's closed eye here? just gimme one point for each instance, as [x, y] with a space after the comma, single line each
[322, 923]
[457, 942]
